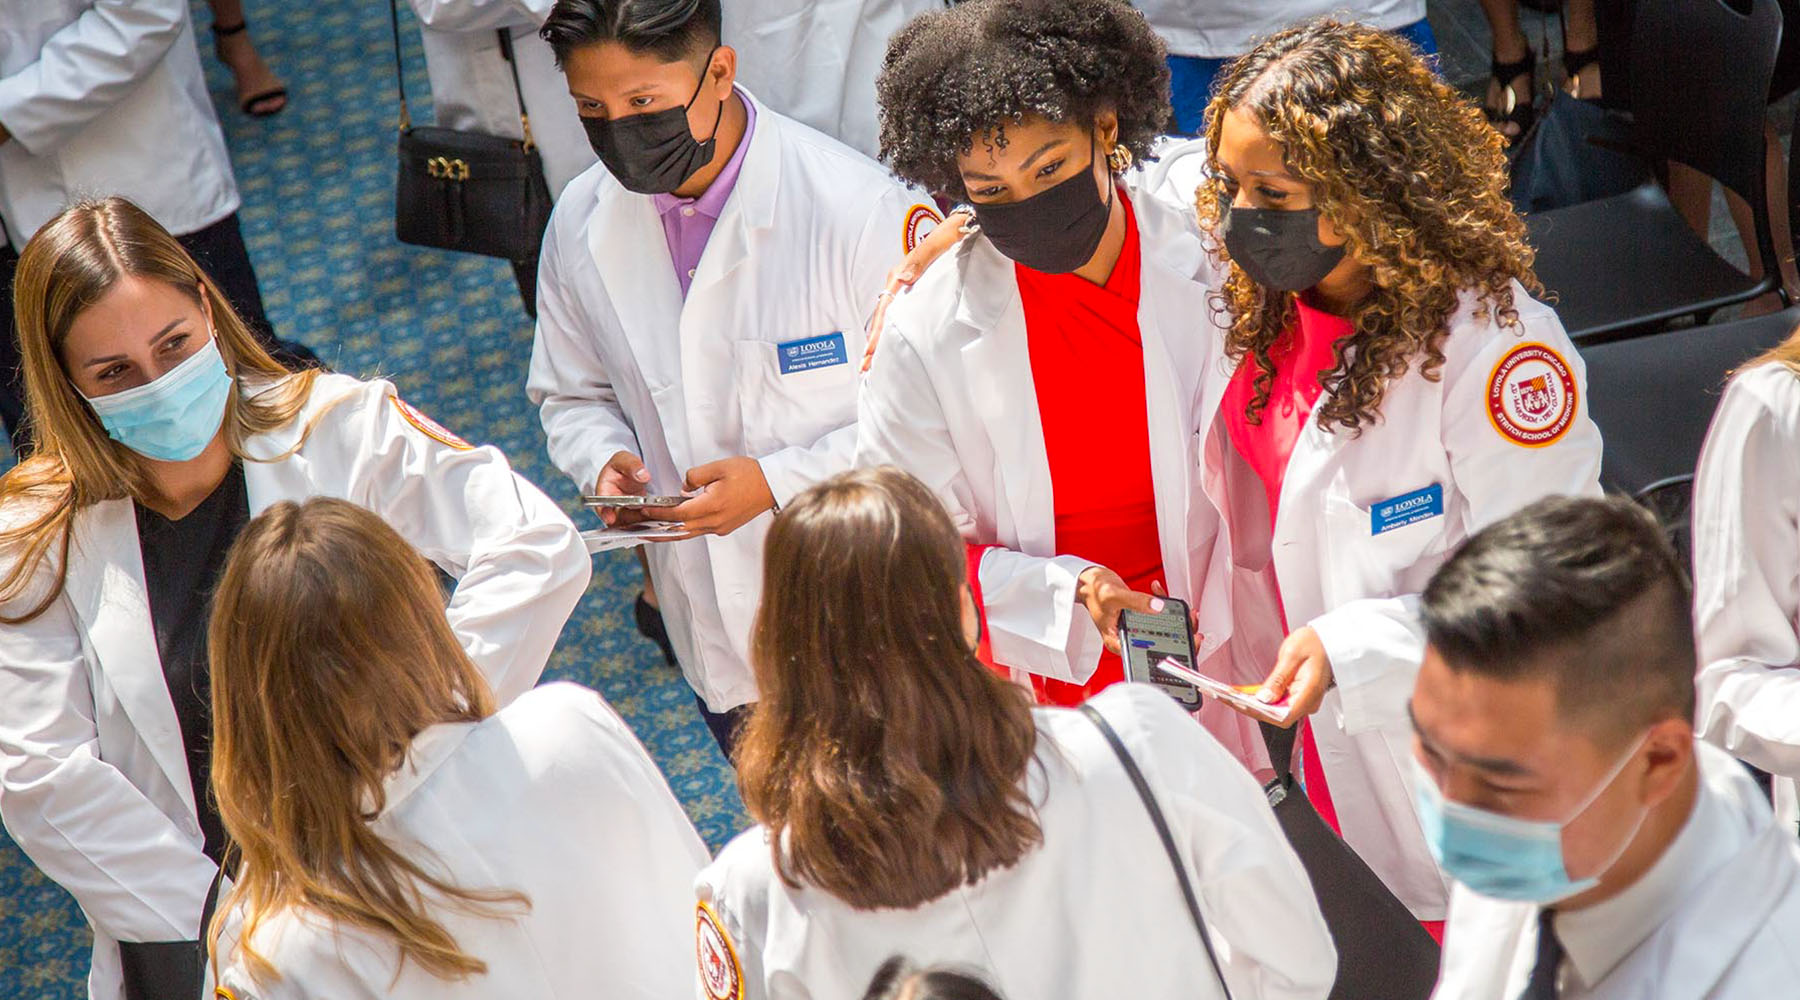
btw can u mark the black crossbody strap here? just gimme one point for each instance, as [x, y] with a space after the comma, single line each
[399, 70]
[1162, 831]
[506, 51]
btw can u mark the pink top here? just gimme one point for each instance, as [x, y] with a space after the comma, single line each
[688, 222]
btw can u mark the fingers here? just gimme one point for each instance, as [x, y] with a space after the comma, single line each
[1287, 664]
[700, 475]
[877, 321]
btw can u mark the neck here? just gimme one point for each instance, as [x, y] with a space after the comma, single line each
[1338, 292]
[1100, 266]
[1660, 829]
[730, 131]
[180, 486]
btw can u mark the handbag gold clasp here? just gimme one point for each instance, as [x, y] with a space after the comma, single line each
[444, 168]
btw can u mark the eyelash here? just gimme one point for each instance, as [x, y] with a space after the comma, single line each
[1047, 170]
[112, 372]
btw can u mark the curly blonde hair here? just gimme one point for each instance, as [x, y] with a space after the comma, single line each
[1407, 169]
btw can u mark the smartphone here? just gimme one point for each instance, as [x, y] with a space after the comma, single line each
[631, 502]
[1164, 635]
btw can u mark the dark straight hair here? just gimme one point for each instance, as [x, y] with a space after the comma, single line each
[1583, 591]
[898, 980]
[668, 29]
[888, 762]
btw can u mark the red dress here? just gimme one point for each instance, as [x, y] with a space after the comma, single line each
[1087, 365]
[1300, 357]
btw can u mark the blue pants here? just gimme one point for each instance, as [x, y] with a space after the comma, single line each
[1191, 78]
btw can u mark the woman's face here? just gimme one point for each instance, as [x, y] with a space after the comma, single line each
[1038, 155]
[1254, 169]
[138, 330]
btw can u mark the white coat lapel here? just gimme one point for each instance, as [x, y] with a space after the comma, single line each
[625, 237]
[997, 369]
[750, 208]
[1173, 366]
[106, 586]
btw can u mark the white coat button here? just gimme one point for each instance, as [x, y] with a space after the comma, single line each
[690, 272]
[689, 211]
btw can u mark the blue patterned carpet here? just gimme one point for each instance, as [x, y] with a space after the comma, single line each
[318, 182]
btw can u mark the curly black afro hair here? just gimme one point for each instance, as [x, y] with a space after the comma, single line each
[953, 74]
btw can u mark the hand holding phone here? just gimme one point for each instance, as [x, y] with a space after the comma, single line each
[1151, 637]
[623, 475]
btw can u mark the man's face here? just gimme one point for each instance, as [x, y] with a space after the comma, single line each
[1502, 746]
[610, 81]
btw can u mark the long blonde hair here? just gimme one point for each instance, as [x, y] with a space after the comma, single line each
[330, 652]
[67, 267]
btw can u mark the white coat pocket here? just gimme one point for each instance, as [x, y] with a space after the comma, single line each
[796, 408]
[1359, 563]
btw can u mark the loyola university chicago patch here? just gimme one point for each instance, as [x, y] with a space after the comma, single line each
[1531, 396]
[720, 973]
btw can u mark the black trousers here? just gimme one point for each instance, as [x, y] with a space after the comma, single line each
[218, 249]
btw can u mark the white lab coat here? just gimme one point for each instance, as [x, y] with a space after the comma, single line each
[1729, 887]
[1747, 577]
[552, 797]
[950, 398]
[816, 60]
[94, 783]
[1095, 911]
[622, 363]
[1359, 589]
[105, 97]
[1222, 29]
[472, 86]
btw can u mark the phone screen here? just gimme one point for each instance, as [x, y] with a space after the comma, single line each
[1147, 638]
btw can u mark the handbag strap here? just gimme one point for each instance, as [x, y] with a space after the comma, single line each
[506, 50]
[1162, 830]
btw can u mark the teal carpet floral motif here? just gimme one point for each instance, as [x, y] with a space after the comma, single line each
[447, 329]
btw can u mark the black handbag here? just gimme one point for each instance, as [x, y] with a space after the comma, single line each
[467, 191]
[1576, 151]
[158, 970]
[1382, 949]
[1162, 831]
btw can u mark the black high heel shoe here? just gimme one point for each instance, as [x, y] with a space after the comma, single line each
[1518, 108]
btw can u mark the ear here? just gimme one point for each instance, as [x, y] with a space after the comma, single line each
[1668, 753]
[723, 71]
[1106, 130]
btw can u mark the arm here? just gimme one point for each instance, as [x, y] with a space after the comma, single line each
[1375, 646]
[87, 67]
[584, 425]
[480, 15]
[1035, 618]
[79, 819]
[1746, 574]
[1256, 898]
[519, 563]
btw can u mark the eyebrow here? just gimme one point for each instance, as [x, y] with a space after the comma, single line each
[160, 334]
[1491, 765]
[1029, 160]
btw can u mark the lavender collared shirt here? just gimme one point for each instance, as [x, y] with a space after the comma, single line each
[688, 222]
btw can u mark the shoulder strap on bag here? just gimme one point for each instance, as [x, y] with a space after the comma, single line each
[1162, 830]
[506, 51]
[399, 70]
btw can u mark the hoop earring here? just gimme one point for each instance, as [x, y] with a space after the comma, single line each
[1119, 159]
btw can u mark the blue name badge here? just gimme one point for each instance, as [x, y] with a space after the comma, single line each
[813, 352]
[1408, 508]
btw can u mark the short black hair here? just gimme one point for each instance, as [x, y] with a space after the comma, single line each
[956, 73]
[897, 978]
[668, 29]
[1585, 592]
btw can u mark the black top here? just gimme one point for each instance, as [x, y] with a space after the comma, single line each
[182, 563]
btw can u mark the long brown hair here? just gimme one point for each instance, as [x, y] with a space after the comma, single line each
[330, 652]
[1407, 169]
[886, 759]
[69, 265]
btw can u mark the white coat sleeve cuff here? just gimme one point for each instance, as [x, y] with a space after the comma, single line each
[1375, 647]
[1034, 622]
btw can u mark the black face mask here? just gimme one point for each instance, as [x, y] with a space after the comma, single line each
[655, 152]
[1278, 250]
[1054, 231]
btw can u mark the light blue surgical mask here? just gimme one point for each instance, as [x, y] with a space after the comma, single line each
[1502, 856]
[175, 417]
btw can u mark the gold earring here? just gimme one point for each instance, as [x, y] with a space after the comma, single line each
[1119, 159]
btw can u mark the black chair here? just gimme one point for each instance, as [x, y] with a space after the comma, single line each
[1700, 73]
[1653, 398]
